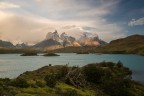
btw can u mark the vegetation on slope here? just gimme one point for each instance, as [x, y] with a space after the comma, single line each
[51, 54]
[100, 79]
[130, 45]
[84, 49]
[29, 54]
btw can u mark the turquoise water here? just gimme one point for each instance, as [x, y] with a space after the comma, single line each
[12, 65]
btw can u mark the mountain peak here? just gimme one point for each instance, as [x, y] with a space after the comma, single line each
[86, 39]
[90, 39]
[53, 35]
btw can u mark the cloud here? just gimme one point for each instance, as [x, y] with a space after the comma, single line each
[31, 29]
[7, 5]
[17, 28]
[33, 21]
[73, 9]
[137, 22]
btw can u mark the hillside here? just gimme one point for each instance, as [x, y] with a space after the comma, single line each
[89, 49]
[46, 43]
[97, 79]
[130, 45]
[6, 44]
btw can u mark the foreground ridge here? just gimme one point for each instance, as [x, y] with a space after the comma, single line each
[97, 79]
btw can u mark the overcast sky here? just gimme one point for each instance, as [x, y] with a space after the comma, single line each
[30, 20]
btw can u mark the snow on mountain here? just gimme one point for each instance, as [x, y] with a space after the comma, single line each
[22, 45]
[89, 35]
[90, 39]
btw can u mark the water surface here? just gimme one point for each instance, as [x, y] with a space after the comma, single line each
[12, 65]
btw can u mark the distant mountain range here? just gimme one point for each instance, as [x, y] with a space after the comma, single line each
[88, 42]
[6, 44]
[54, 40]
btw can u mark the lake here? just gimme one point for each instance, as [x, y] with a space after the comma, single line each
[12, 65]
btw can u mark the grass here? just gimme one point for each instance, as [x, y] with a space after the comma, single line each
[82, 92]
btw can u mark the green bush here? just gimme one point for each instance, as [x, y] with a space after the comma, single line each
[20, 82]
[64, 71]
[51, 80]
[93, 73]
[40, 84]
[113, 79]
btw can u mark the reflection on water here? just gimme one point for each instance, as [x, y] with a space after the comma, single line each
[12, 65]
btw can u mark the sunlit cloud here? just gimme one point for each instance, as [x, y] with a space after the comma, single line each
[137, 22]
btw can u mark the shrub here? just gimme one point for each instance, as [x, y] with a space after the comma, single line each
[40, 84]
[93, 74]
[64, 71]
[50, 80]
[119, 64]
[20, 82]
[106, 64]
